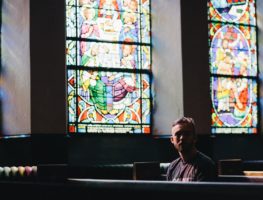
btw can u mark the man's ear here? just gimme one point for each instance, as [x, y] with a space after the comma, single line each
[172, 139]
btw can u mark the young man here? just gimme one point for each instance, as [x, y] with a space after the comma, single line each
[191, 165]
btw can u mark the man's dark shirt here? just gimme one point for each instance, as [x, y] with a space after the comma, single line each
[200, 168]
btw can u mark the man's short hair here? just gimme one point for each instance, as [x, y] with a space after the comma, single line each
[186, 121]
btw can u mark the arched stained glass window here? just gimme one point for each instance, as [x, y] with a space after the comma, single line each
[108, 57]
[233, 66]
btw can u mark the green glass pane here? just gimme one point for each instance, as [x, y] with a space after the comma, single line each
[70, 2]
[71, 52]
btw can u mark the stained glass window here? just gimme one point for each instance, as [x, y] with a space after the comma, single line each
[108, 58]
[233, 66]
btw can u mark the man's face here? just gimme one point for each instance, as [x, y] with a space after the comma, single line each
[183, 138]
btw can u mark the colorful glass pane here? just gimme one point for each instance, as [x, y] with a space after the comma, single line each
[109, 92]
[111, 98]
[233, 50]
[145, 57]
[112, 55]
[71, 21]
[70, 2]
[71, 96]
[108, 6]
[145, 29]
[233, 100]
[235, 11]
[233, 66]
[110, 20]
[71, 52]
[109, 66]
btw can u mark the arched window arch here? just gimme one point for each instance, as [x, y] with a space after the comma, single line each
[108, 58]
[233, 66]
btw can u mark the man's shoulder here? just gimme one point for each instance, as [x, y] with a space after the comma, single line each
[175, 162]
[201, 157]
[206, 167]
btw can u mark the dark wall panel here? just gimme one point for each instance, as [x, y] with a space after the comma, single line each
[245, 147]
[118, 149]
[48, 83]
[196, 91]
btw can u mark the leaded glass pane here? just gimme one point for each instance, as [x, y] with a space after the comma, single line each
[70, 2]
[71, 50]
[122, 26]
[233, 66]
[235, 11]
[71, 21]
[71, 96]
[112, 98]
[145, 57]
[109, 92]
[108, 55]
[234, 101]
[233, 50]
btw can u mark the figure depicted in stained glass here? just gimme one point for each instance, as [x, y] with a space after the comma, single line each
[89, 27]
[97, 92]
[230, 54]
[108, 91]
[130, 5]
[105, 58]
[109, 12]
[243, 64]
[223, 95]
[91, 57]
[108, 9]
[225, 65]
[241, 94]
[233, 97]
[127, 60]
[225, 59]
[117, 85]
[129, 29]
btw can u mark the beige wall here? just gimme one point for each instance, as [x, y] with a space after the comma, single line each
[167, 64]
[15, 83]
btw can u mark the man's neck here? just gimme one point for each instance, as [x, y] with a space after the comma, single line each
[187, 156]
